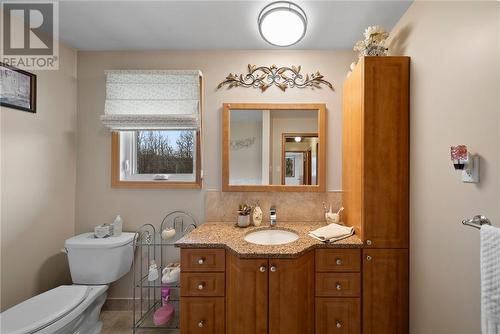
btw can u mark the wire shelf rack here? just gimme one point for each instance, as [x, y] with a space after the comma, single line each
[149, 246]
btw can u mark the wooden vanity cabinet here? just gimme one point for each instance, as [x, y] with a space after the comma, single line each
[270, 295]
[202, 300]
[375, 151]
[375, 180]
[338, 291]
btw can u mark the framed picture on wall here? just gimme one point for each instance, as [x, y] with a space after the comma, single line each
[290, 167]
[17, 88]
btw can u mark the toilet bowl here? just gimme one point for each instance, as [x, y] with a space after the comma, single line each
[75, 309]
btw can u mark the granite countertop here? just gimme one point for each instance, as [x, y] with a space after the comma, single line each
[227, 235]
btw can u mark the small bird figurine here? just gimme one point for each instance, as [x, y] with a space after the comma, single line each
[332, 217]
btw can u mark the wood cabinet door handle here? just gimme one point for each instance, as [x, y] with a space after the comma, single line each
[262, 269]
[273, 269]
[201, 260]
[201, 323]
[201, 286]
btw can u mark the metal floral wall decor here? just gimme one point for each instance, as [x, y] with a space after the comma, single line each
[263, 77]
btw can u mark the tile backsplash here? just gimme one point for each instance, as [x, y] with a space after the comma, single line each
[290, 207]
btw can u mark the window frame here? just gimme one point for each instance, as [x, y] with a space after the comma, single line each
[118, 182]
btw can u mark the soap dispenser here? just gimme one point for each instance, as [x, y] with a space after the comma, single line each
[117, 226]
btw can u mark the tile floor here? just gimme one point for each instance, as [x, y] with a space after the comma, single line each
[120, 322]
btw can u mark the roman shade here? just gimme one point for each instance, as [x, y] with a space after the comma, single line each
[152, 100]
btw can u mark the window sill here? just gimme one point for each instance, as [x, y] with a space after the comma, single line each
[154, 184]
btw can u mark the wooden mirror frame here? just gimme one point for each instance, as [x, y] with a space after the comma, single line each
[226, 137]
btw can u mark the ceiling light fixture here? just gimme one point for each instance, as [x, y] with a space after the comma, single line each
[298, 139]
[282, 23]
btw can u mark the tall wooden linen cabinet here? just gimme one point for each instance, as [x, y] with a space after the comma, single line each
[375, 181]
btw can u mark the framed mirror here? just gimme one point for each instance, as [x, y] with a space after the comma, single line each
[274, 147]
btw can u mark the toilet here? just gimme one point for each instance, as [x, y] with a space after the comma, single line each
[74, 309]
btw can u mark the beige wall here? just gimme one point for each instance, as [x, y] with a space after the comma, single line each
[454, 49]
[96, 202]
[38, 172]
[245, 165]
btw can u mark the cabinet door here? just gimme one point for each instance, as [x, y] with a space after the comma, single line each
[385, 152]
[202, 315]
[385, 291]
[246, 295]
[291, 295]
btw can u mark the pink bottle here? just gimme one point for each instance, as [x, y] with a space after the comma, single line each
[165, 313]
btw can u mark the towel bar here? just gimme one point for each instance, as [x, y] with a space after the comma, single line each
[477, 221]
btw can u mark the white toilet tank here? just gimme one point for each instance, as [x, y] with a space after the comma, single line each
[99, 261]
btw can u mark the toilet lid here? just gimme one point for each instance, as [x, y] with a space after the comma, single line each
[88, 240]
[42, 310]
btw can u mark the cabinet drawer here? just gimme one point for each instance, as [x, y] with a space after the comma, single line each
[202, 315]
[338, 285]
[338, 316]
[338, 260]
[202, 284]
[203, 259]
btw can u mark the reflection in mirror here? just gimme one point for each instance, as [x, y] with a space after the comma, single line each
[273, 147]
[299, 159]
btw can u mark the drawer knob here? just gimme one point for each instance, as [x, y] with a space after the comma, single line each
[338, 324]
[201, 323]
[338, 286]
[262, 269]
[201, 260]
[201, 286]
[368, 258]
[338, 262]
[369, 242]
[273, 269]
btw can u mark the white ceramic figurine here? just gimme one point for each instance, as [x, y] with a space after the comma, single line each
[257, 215]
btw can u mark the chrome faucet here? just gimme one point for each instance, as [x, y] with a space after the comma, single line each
[272, 216]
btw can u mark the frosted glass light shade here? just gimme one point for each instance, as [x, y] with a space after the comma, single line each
[282, 23]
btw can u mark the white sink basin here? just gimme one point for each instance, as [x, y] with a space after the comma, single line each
[271, 237]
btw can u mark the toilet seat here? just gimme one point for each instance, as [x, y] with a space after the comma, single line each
[42, 310]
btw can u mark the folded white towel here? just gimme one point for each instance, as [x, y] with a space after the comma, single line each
[332, 232]
[490, 280]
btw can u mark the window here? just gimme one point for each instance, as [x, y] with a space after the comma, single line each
[158, 158]
[155, 117]
[165, 152]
